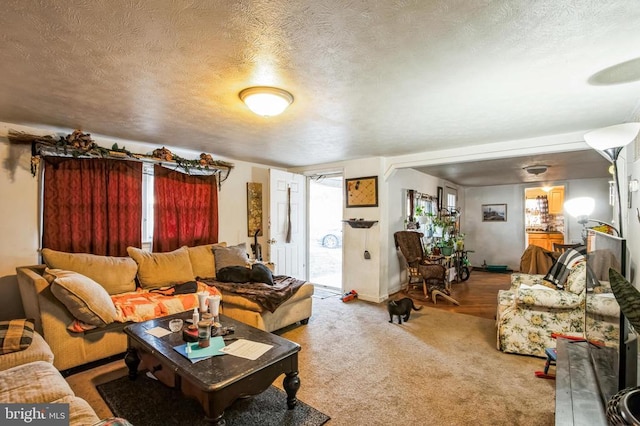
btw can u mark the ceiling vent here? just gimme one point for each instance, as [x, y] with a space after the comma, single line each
[536, 170]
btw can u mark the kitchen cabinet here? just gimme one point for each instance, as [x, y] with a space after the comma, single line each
[545, 239]
[556, 200]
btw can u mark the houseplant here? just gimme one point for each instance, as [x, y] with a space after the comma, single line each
[421, 215]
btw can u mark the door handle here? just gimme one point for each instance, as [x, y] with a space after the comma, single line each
[271, 241]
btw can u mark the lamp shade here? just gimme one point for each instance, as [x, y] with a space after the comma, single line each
[581, 206]
[266, 101]
[613, 136]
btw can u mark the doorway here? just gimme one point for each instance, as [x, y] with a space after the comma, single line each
[544, 216]
[325, 230]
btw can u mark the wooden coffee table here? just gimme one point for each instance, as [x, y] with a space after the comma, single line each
[220, 380]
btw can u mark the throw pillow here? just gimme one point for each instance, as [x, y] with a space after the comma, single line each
[234, 274]
[15, 335]
[559, 271]
[162, 269]
[116, 274]
[87, 300]
[230, 256]
[203, 261]
[261, 274]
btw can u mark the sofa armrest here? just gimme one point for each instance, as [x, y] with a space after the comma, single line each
[528, 279]
[549, 298]
[605, 305]
[50, 316]
[31, 283]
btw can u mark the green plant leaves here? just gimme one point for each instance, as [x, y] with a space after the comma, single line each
[628, 297]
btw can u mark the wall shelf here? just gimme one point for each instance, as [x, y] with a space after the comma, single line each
[360, 223]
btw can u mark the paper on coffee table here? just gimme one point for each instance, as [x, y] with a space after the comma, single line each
[158, 331]
[246, 349]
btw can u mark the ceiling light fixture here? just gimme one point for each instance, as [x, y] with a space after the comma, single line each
[266, 101]
[536, 170]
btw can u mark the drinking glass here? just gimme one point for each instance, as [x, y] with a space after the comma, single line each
[175, 325]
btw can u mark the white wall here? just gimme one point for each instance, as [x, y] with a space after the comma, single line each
[632, 229]
[497, 243]
[502, 243]
[401, 181]
[19, 208]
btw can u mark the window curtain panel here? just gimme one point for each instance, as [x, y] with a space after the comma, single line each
[185, 210]
[92, 205]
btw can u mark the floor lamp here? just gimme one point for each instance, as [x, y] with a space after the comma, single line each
[610, 141]
[581, 208]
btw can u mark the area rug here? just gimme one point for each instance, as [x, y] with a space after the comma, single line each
[147, 402]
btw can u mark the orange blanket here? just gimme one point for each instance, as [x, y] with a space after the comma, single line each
[143, 305]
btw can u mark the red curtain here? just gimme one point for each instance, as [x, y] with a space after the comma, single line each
[92, 205]
[185, 210]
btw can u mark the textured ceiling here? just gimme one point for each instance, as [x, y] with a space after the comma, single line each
[370, 78]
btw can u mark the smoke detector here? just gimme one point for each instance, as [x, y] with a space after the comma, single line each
[536, 170]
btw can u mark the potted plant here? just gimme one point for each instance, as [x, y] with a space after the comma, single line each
[446, 245]
[421, 215]
[459, 242]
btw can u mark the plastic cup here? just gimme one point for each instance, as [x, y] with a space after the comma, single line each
[214, 305]
[202, 301]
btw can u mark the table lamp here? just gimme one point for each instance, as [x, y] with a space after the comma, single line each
[581, 208]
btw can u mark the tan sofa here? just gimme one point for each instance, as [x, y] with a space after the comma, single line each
[29, 377]
[72, 349]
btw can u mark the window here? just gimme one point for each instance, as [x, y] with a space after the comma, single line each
[452, 198]
[147, 203]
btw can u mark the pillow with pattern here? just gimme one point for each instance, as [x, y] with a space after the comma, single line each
[559, 271]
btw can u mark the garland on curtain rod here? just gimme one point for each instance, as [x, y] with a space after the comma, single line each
[81, 145]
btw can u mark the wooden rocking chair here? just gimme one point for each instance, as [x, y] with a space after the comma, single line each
[432, 276]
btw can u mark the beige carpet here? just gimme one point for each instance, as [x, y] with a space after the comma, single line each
[439, 368]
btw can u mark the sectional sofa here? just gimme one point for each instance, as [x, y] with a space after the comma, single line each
[73, 298]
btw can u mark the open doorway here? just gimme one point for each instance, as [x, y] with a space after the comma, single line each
[325, 231]
[544, 216]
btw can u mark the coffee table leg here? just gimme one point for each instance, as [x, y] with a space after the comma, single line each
[219, 421]
[132, 360]
[291, 384]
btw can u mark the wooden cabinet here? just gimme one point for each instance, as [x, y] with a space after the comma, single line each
[545, 239]
[556, 200]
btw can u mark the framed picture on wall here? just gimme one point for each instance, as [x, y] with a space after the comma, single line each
[494, 212]
[362, 192]
[254, 208]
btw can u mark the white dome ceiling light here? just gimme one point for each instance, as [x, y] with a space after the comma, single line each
[266, 101]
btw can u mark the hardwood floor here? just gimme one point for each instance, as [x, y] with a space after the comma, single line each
[478, 296]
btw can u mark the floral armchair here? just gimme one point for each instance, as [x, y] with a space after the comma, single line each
[530, 311]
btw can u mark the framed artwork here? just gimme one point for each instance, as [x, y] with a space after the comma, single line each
[440, 197]
[254, 208]
[362, 192]
[494, 212]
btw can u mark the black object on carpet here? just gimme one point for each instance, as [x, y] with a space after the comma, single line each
[147, 402]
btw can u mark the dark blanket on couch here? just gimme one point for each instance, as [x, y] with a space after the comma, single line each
[268, 297]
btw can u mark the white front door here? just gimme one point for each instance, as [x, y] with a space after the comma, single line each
[287, 230]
